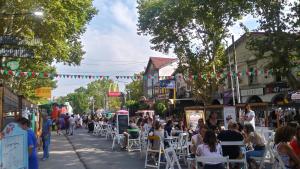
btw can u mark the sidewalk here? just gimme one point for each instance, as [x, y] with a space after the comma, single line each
[62, 155]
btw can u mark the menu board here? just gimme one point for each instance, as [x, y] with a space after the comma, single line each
[14, 148]
[192, 117]
[229, 115]
[122, 122]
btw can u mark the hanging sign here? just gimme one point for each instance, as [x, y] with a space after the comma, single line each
[168, 84]
[16, 53]
[43, 92]
[16, 41]
[229, 115]
[13, 65]
[14, 147]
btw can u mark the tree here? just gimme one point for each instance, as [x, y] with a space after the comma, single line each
[135, 89]
[160, 108]
[195, 31]
[281, 41]
[57, 32]
[80, 98]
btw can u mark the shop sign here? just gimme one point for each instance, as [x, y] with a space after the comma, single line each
[168, 84]
[295, 96]
[277, 87]
[251, 92]
[16, 53]
[16, 41]
[163, 96]
[114, 94]
[43, 92]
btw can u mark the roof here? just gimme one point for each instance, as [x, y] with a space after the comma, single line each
[242, 39]
[159, 62]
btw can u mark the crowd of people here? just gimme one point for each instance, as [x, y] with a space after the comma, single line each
[208, 135]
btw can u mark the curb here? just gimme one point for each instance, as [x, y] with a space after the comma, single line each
[78, 155]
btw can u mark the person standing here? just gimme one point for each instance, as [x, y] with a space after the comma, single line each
[32, 144]
[46, 136]
[67, 123]
[212, 122]
[72, 124]
[249, 116]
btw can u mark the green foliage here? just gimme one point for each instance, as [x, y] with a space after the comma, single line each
[160, 107]
[194, 30]
[135, 89]
[281, 41]
[80, 98]
[58, 30]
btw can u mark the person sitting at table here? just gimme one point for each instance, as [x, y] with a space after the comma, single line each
[197, 139]
[200, 125]
[168, 128]
[282, 138]
[180, 126]
[212, 122]
[158, 131]
[131, 133]
[295, 143]
[257, 142]
[210, 148]
[232, 134]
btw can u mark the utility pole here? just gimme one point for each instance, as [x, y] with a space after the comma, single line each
[231, 78]
[236, 72]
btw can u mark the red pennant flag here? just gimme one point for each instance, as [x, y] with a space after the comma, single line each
[45, 74]
[33, 74]
[10, 72]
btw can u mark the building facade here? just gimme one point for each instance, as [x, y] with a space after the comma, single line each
[256, 83]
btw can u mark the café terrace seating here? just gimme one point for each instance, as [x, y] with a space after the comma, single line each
[180, 145]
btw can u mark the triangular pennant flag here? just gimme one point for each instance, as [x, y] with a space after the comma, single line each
[117, 77]
[10, 72]
[29, 74]
[2, 71]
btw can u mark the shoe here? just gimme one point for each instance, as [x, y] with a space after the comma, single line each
[44, 159]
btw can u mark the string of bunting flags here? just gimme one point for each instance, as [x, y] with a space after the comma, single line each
[224, 74]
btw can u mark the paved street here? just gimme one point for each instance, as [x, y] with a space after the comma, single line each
[62, 155]
[96, 153]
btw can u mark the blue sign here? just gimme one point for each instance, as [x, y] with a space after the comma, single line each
[169, 84]
[14, 148]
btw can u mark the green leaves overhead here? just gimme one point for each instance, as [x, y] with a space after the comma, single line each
[194, 30]
[59, 29]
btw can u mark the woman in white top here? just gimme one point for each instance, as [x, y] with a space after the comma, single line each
[249, 116]
[210, 148]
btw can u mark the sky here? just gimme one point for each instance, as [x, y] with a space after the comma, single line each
[113, 47]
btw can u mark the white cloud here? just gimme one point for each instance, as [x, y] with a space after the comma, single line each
[114, 48]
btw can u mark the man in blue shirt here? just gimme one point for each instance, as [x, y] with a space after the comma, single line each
[32, 144]
[46, 135]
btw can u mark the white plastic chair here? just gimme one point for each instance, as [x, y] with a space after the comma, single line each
[278, 163]
[212, 160]
[268, 155]
[240, 144]
[171, 158]
[134, 144]
[152, 152]
[182, 149]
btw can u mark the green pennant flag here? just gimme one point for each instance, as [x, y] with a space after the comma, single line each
[29, 74]
[5, 72]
